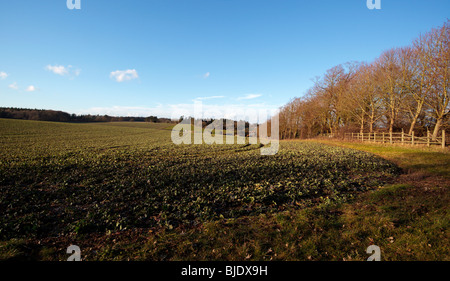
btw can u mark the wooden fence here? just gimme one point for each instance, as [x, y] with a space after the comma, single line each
[401, 138]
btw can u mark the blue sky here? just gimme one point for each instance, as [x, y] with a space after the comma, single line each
[149, 57]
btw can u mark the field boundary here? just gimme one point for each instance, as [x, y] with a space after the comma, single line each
[398, 138]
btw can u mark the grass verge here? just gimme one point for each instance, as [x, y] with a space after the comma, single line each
[431, 160]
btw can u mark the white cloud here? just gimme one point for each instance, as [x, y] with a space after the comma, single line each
[124, 75]
[3, 75]
[31, 88]
[57, 69]
[206, 75]
[63, 70]
[14, 86]
[249, 97]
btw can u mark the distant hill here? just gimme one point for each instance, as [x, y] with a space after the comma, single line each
[60, 116]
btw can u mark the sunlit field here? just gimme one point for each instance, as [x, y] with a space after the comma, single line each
[70, 182]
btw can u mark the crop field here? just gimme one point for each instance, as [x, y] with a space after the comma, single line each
[68, 180]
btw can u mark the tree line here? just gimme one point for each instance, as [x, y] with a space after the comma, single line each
[405, 88]
[60, 116]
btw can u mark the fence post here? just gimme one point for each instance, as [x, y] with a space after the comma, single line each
[443, 138]
[383, 137]
[412, 138]
[390, 137]
[428, 138]
[403, 137]
[375, 137]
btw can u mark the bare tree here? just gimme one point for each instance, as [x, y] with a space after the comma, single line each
[364, 101]
[388, 78]
[435, 50]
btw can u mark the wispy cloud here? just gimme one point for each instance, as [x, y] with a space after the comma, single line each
[210, 98]
[14, 86]
[206, 75]
[124, 75]
[63, 70]
[3, 75]
[249, 97]
[31, 88]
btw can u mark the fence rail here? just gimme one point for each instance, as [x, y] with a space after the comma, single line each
[402, 138]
